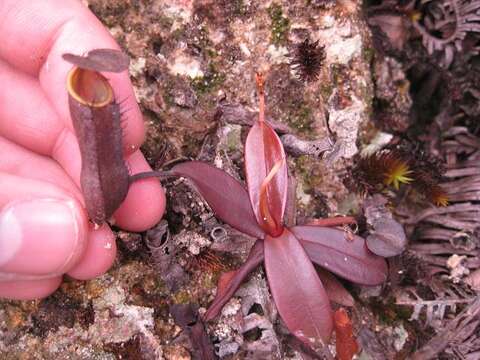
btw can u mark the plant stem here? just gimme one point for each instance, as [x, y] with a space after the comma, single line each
[149, 174]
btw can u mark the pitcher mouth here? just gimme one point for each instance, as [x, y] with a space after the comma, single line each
[89, 87]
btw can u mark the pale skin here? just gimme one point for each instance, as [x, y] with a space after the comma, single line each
[44, 229]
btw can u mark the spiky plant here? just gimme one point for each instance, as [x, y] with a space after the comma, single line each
[387, 167]
[307, 60]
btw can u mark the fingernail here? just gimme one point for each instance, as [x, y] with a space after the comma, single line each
[41, 236]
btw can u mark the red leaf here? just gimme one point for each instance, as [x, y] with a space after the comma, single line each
[229, 282]
[298, 292]
[226, 196]
[335, 290]
[263, 150]
[346, 344]
[348, 258]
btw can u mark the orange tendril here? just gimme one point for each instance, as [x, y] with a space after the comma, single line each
[260, 80]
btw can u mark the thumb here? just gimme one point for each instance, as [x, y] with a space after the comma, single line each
[43, 231]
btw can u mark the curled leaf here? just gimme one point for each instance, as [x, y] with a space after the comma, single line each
[226, 196]
[299, 294]
[346, 344]
[264, 205]
[230, 282]
[346, 257]
[96, 119]
[108, 60]
[263, 150]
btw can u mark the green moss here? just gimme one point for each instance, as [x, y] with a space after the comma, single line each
[280, 24]
[211, 81]
[196, 291]
[301, 118]
[336, 73]
[234, 142]
[208, 281]
[191, 144]
[309, 174]
[239, 7]
[202, 40]
[168, 99]
[303, 167]
[165, 22]
[211, 53]
[178, 33]
[326, 90]
[368, 54]
[182, 296]
[166, 89]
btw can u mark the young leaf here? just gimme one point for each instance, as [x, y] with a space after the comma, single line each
[348, 258]
[96, 119]
[274, 227]
[226, 196]
[229, 282]
[346, 344]
[334, 288]
[387, 236]
[263, 150]
[299, 294]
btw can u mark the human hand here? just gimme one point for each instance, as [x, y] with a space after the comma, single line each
[44, 228]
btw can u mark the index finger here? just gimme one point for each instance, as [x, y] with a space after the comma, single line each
[35, 35]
